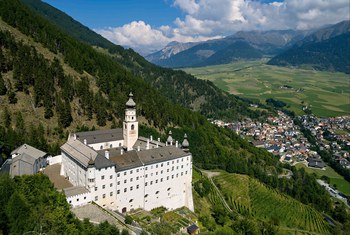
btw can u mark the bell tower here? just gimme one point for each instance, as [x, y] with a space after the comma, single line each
[130, 124]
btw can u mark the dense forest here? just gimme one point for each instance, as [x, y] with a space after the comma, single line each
[32, 204]
[25, 71]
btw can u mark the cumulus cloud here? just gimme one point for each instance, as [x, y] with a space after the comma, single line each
[207, 19]
[144, 39]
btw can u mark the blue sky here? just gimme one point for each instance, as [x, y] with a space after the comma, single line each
[106, 13]
[149, 25]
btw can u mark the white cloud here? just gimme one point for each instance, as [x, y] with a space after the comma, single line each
[206, 19]
[145, 39]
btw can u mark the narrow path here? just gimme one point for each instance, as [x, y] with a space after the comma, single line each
[211, 174]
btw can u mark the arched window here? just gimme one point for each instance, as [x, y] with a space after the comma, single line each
[132, 127]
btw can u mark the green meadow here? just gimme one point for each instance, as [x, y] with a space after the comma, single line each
[342, 185]
[326, 93]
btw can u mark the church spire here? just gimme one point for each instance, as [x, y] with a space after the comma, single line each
[130, 124]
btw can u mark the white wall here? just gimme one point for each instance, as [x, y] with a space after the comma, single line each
[73, 170]
[165, 184]
[104, 192]
[130, 189]
[79, 200]
[107, 145]
[54, 160]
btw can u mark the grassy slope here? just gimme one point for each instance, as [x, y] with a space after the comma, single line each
[247, 195]
[25, 102]
[342, 185]
[327, 92]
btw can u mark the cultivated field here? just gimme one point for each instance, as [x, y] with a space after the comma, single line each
[327, 93]
[248, 196]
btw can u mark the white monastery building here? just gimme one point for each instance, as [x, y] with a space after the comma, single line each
[120, 170]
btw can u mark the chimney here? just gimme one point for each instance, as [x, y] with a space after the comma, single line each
[85, 141]
[166, 143]
[158, 139]
[157, 145]
[74, 136]
[107, 154]
[151, 137]
[138, 148]
[25, 146]
[147, 146]
[121, 151]
[176, 144]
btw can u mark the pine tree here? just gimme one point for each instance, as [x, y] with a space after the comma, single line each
[3, 88]
[7, 117]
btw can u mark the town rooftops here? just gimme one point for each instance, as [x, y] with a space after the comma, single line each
[100, 136]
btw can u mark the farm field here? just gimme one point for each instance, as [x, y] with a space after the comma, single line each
[342, 185]
[250, 197]
[327, 93]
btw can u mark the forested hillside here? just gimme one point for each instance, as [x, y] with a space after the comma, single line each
[177, 86]
[51, 84]
[30, 204]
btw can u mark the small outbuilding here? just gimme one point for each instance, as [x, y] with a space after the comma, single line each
[27, 160]
[193, 229]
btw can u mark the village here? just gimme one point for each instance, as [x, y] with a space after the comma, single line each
[280, 136]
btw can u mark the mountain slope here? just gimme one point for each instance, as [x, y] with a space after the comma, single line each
[179, 87]
[268, 42]
[169, 50]
[73, 27]
[326, 49]
[239, 50]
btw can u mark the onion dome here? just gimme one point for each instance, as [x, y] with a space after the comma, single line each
[170, 138]
[185, 143]
[131, 103]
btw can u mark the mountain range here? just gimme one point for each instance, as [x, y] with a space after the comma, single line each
[281, 45]
[204, 53]
[325, 49]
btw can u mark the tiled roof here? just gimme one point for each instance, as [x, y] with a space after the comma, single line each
[100, 136]
[132, 159]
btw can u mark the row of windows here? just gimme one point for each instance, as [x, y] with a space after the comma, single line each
[126, 189]
[104, 186]
[151, 182]
[104, 196]
[103, 177]
[70, 201]
[167, 178]
[110, 146]
[156, 166]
